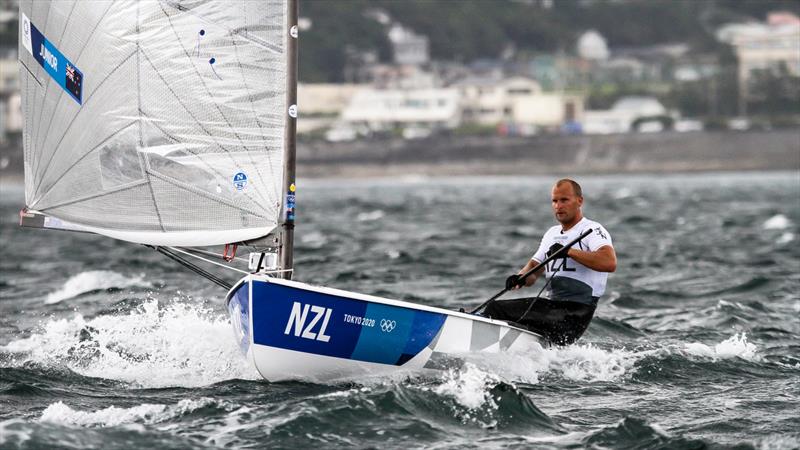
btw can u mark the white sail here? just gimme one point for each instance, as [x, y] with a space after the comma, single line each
[159, 122]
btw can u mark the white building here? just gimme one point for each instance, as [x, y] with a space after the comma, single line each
[387, 108]
[409, 48]
[320, 104]
[592, 46]
[493, 100]
[763, 46]
[622, 115]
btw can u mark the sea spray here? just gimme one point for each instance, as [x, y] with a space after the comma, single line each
[155, 345]
[94, 280]
[735, 346]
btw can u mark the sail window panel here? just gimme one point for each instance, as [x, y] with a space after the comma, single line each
[107, 113]
[201, 166]
[182, 209]
[126, 209]
[82, 181]
[119, 160]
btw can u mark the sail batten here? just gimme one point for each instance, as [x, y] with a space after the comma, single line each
[153, 120]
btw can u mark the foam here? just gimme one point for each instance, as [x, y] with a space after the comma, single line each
[370, 216]
[734, 347]
[113, 416]
[94, 280]
[155, 345]
[777, 222]
[470, 386]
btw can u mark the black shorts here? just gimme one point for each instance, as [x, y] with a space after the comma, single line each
[561, 322]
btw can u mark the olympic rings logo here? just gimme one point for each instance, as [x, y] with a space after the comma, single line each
[387, 325]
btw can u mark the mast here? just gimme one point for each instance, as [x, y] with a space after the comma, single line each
[287, 234]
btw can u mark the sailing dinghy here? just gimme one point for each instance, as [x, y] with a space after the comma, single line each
[171, 124]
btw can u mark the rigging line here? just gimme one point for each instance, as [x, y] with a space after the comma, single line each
[66, 171]
[194, 268]
[178, 249]
[563, 264]
[202, 80]
[69, 127]
[206, 252]
[187, 149]
[61, 91]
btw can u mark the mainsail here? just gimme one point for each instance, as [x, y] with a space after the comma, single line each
[157, 122]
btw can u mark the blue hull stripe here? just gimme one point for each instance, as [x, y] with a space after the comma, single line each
[323, 324]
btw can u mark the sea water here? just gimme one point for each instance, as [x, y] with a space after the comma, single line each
[696, 343]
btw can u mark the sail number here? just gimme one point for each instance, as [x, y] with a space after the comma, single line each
[297, 322]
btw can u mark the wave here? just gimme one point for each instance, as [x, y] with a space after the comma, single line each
[114, 416]
[94, 280]
[777, 222]
[734, 347]
[370, 216]
[153, 345]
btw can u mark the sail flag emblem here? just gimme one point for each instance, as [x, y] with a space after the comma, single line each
[50, 58]
[240, 181]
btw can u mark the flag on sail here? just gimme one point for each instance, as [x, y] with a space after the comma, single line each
[158, 122]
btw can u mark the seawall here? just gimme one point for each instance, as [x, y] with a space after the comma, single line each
[623, 153]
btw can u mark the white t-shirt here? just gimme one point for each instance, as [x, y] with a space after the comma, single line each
[573, 279]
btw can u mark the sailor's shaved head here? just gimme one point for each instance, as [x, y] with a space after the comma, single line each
[576, 188]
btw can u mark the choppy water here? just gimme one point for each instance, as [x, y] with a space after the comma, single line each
[697, 342]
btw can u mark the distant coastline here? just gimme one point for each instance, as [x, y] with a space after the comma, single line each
[707, 151]
[555, 154]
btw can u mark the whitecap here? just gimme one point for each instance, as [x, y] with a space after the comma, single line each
[156, 345]
[735, 346]
[314, 239]
[777, 222]
[584, 362]
[370, 216]
[622, 193]
[470, 386]
[114, 416]
[785, 238]
[94, 280]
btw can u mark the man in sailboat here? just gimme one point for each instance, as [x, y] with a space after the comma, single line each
[575, 282]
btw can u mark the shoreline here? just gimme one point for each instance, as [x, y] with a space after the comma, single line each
[551, 155]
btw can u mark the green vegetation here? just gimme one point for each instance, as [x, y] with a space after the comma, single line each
[467, 30]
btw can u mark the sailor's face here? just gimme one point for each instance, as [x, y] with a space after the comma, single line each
[566, 205]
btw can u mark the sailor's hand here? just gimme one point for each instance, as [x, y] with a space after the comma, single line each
[556, 247]
[513, 282]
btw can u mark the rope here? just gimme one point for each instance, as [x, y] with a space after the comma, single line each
[194, 268]
[208, 260]
[539, 295]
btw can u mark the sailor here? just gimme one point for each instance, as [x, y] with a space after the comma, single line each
[574, 282]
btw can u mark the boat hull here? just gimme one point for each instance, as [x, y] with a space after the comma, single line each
[292, 330]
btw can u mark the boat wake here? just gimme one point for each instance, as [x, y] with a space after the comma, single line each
[157, 344]
[94, 280]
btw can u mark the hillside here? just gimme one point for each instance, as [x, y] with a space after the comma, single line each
[468, 30]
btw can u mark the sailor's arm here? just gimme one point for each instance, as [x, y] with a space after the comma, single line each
[604, 259]
[534, 276]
